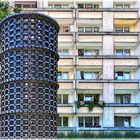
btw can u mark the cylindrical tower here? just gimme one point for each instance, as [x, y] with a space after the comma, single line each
[29, 76]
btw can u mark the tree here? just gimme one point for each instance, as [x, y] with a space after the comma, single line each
[6, 10]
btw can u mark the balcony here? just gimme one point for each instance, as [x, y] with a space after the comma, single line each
[130, 41]
[89, 40]
[66, 84]
[66, 62]
[89, 84]
[65, 109]
[126, 110]
[126, 15]
[127, 86]
[85, 110]
[89, 14]
[93, 62]
[129, 63]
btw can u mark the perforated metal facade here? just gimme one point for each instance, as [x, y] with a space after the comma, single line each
[29, 76]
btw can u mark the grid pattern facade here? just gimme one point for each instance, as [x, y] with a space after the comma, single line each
[29, 76]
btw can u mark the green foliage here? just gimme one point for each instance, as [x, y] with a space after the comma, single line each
[6, 10]
[79, 104]
[90, 106]
[17, 9]
[101, 134]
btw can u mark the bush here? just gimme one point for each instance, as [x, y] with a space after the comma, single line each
[101, 134]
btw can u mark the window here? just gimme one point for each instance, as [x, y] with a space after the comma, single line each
[126, 6]
[123, 98]
[118, 6]
[122, 6]
[62, 99]
[81, 6]
[88, 6]
[27, 4]
[50, 5]
[88, 121]
[95, 6]
[84, 52]
[57, 5]
[122, 29]
[80, 29]
[62, 75]
[88, 97]
[122, 121]
[96, 29]
[122, 75]
[89, 75]
[63, 52]
[88, 29]
[62, 121]
[122, 52]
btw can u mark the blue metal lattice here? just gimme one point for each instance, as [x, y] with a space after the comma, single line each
[29, 76]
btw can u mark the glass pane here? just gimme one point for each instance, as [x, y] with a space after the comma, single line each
[65, 75]
[80, 97]
[88, 52]
[65, 52]
[126, 75]
[57, 6]
[65, 121]
[119, 121]
[80, 29]
[127, 52]
[81, 52]
[127, 122]
[80, 5]
[88, 29]
[118, 99]
[87, 75]
[96, 121]
[119, 52]
[126, 99]
[96, 98]
[95, 6]
[59, 121]
[59, 99]
[81, 121]
[88, 122]
[59, 77]
[65, 99]
[96, 29]
[88, 6]
[126, 29]
[119, 6]
[88, 97]
[119, 29]
[126, 6]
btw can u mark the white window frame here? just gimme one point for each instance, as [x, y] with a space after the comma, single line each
[62, 98]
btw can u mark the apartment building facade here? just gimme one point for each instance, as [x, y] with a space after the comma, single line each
[99, 50]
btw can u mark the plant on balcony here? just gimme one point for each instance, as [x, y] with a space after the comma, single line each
[79, 104]
[89, 104]
[6, 9]
[101, 104]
